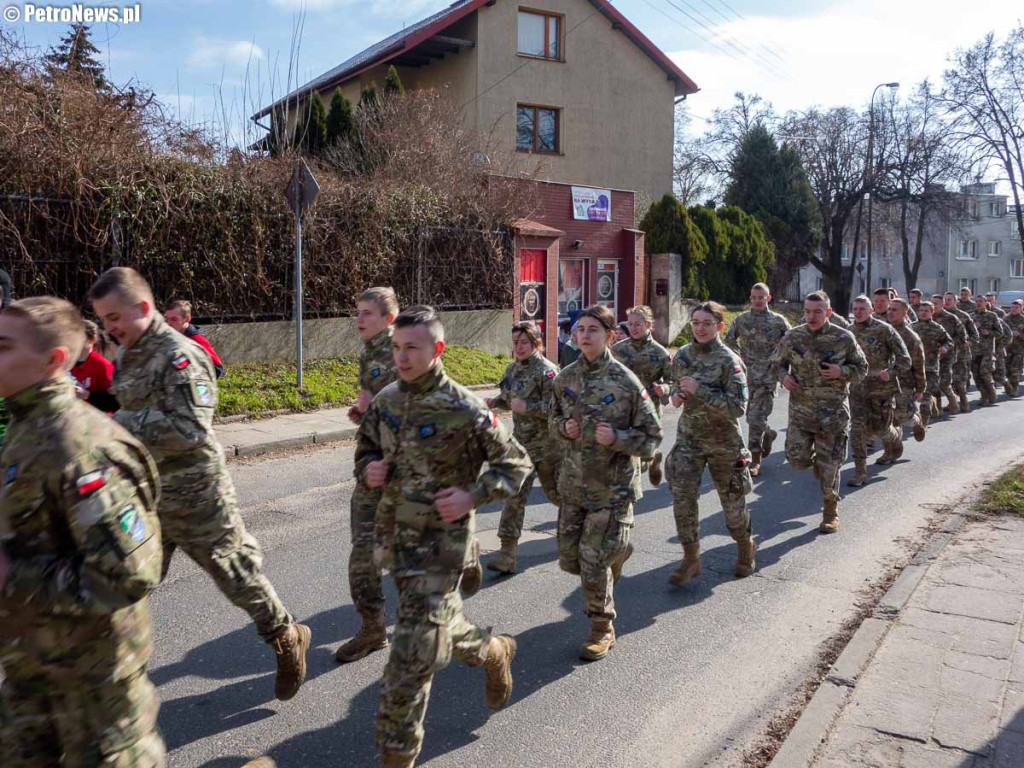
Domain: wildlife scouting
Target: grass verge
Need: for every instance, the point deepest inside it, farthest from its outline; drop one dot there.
(254, 389)
(1005, 496)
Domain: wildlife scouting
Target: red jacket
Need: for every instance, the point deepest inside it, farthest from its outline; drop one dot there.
(195, 335)
(95, 374)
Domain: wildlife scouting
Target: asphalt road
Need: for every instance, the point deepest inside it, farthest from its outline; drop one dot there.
(695, 676)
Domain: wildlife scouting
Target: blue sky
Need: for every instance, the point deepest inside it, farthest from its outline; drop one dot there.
(794, 53)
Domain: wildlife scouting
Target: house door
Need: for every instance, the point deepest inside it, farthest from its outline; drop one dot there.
(608, 285)
(533, 270)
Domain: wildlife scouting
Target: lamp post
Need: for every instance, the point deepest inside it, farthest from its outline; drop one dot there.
(869, 168)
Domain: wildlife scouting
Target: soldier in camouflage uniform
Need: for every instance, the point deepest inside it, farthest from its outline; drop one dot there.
(375, 312)
(880, 301)
(983, 362)
(755, 334)
(606, 422)
(1015, 347)
(962, 368)
(959, 348)
(168, 393)
(526, 391)
(79, 553)
(913, 383)
(872, 401)
(1000, 372)
(652, 364)
(426, 439)
(710, 383)
(816, 362)
(937, 344)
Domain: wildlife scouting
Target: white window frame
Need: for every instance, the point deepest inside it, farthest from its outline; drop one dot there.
(995, 209)
(885, 282)
(967, 251)
(844, 253)
(970, 283)
(995, 248)
(993, 285)
(1017, 268)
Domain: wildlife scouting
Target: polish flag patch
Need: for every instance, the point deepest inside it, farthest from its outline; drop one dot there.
(737, 369)
(181, 363)
(494, 419)
(89, 483)
(644, 394)
(550, 375)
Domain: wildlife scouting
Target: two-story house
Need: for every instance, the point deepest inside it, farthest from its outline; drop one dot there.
(586, 98)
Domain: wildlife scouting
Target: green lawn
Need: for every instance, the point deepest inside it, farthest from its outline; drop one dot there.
(256, 388)
(1006, 495)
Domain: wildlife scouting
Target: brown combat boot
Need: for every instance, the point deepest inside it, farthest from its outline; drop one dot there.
(1010, 388)
(860, 474)
(990, 394)
(745, 563)
(654, 471)
(291, 647)
(260, 762)
(372, 636)
(920, 425)
(954, 403)
(396, 760)
(505, 559)
(690, 567)
(829, 518)
(755, 463)
(965, 404)
(498, 672)
(767, 440)
(473, 573)
(620, 561)
(600, 640)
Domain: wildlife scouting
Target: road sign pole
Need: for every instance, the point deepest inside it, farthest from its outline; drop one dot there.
(298, 297)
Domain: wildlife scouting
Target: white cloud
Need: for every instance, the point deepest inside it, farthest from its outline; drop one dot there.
(210, 53)
(838, 55)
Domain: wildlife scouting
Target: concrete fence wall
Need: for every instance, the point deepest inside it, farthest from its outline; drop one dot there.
(487, 330)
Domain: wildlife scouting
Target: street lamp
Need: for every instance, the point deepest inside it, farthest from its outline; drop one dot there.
(869, 168)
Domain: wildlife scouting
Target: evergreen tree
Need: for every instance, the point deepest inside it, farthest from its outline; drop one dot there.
(392, 83)
(368, 96)
(76, 53)
(311, 128)
(669, 229)
(339, 119)
(714, 273)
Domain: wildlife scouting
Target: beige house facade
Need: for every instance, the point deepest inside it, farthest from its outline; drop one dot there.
(572, 85)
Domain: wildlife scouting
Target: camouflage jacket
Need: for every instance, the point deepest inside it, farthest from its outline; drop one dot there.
(933, 338)
(604, 391)
(967, 307)
(884, 317)
(436, 434)
(801, 353)
(1007, 336)
(1016, 323)
(755, 335)
(967, 318)
(377, 363)
(529, 381)
(915, 379)
(712, 413)
(168, 393)
(650, 361)
(78, 523)
(839, 321)
(989, 330)
(885, 351)
(954, 326)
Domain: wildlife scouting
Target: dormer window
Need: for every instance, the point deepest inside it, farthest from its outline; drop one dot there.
(540, 35)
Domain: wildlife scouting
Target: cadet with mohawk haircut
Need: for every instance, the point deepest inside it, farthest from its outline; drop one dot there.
(80, 550)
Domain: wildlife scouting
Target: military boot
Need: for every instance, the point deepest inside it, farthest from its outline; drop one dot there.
(767, 439)
(505, 559)
(498, 672)
(755, 463)
(260, 762)
(654, 471)
(620, 561)
(600, 640)
(473, 573)
(372, 636)
(396, 760)
(745, 563)
(926, 417)
(935, 410)
(1011, 387)
(965, 404)
(689, 568)
(954, 402)
(895, 448)
(920, 425)
(291, 647)
(860, 473)
(829, 518)
(990, 394)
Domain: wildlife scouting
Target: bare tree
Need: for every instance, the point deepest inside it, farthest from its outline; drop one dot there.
(694, 170)
(984, 90)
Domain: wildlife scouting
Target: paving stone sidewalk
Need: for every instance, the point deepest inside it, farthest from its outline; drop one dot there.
(945, 689)
(249, 438)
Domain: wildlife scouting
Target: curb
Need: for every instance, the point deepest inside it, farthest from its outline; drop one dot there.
(276, 446)
(812, 729)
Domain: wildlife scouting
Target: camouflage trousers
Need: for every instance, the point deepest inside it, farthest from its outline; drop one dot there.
(214, 536)
(871, 416)
(945, 374)
(60, 721)
(983, 368)
(684, 470)
(999, 375)
(430, 630)
(933, 386)
(759, 408)
(1014, 365)
(906, 408)
(589, 541)
(818, 439)
(545, 467)
(962, 372)
(364, 577)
